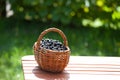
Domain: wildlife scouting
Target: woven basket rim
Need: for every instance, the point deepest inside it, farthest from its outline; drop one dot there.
(54, 51)
(58, 51)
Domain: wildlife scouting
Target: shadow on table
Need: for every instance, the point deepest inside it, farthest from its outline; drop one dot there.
(47, 75)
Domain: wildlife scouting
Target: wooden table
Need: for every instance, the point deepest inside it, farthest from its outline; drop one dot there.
(79, 68)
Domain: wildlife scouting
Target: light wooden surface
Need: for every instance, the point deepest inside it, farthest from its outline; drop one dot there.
(79, 68)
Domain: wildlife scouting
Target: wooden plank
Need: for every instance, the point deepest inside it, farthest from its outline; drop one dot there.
(85, 69)
(94, 60)
(82, 68)
(90, 72)
(77, 70)
(33, 63)
(79, 67)
(28, 58)
(85, 59)
(71, 77)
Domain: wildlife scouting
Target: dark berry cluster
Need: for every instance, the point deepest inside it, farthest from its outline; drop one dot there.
(52, 45)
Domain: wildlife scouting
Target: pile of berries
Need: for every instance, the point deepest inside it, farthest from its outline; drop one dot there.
(52, 45)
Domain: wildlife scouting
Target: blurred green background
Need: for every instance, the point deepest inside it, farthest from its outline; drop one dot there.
(92, 28)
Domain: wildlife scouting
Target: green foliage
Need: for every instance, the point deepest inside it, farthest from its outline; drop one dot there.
(93, 13)
(2, 8)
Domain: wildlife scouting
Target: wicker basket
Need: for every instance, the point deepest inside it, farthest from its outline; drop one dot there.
(50, 60)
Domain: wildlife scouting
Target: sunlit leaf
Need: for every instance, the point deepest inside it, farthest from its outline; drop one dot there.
(96, 23)
(107, 9)
(116, 15)
(118, 8)
(86, 22)
(86, 9)
(100, 3)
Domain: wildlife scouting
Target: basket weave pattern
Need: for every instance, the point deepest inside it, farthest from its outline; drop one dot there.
(50, 60)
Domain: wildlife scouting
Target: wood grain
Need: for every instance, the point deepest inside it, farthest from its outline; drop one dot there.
(79, 67)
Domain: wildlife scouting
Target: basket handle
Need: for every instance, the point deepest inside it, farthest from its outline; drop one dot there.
(53, 30)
